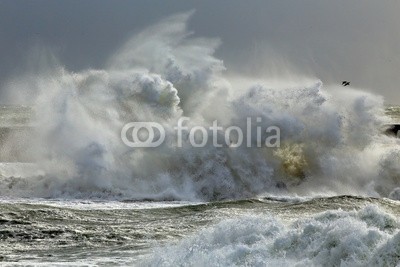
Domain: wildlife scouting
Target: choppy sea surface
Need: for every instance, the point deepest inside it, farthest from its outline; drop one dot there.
(334, 231)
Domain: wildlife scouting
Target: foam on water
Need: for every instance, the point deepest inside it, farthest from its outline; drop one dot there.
(97, 205)
(330, 138)
(368, 237)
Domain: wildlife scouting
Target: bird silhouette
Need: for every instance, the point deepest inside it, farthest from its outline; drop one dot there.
(345, 83)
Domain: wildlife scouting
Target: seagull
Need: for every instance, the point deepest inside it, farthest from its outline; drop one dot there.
(345, 83)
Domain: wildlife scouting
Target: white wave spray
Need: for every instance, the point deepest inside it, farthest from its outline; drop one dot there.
(330, 137)
(368, 237)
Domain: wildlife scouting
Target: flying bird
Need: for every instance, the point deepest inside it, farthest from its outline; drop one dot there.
(345, 83)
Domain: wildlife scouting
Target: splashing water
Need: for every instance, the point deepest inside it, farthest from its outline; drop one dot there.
(330, 137)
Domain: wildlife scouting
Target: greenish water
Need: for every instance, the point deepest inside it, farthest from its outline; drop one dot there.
(393, 112)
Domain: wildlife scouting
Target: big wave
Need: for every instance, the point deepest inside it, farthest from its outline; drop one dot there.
(330, 137)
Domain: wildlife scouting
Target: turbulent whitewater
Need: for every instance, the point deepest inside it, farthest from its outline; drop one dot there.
(338, 231)
(331, 141)
(69, 183)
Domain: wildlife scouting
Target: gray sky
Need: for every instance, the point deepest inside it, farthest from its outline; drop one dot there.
(333, 40)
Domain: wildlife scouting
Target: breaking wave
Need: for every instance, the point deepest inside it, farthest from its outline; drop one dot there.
(331, 141)
(368, 237)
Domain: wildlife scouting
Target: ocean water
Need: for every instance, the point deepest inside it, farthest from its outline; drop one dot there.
(336, 231)
(73, 194)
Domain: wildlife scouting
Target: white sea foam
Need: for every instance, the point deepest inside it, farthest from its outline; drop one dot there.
(84, 204)
(330, 138)
(369, 237)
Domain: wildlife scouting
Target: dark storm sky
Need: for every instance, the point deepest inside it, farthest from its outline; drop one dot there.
(330, 40)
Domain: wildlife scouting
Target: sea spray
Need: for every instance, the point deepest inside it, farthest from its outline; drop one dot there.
(368, 237)
(330, 140)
